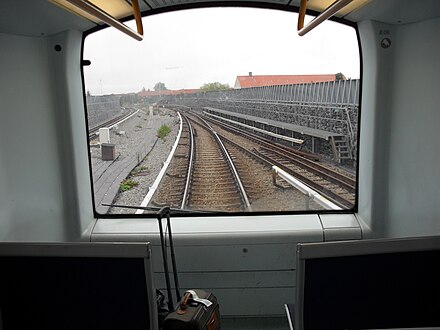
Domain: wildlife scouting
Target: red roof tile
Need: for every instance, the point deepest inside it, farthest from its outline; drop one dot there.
(257, 81)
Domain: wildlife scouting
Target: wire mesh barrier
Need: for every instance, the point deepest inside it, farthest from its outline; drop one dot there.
(331, 106)
(331, 92)
(102, 108)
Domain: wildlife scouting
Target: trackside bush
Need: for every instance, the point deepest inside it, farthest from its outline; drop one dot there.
(163, 131)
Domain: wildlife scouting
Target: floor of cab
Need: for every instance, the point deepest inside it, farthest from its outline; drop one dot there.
(255, 323)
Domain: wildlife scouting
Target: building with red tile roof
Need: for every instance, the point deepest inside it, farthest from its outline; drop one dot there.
(271, 80)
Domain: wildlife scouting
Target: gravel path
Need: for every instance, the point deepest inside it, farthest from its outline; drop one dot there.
(137, 144)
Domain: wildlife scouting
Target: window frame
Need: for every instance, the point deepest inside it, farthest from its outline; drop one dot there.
(220, 4)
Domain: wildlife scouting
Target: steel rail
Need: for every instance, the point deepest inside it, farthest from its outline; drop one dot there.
(258, 139)
(306, 190)
(325, 173)
(110, 123)
(281, 168)
(247, 151)
(190, 168)
(337, 199)
(231, 165)
(256, 129)
(300, 159)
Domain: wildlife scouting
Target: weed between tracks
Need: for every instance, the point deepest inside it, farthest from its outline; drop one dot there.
(163, 131)
(127, 184)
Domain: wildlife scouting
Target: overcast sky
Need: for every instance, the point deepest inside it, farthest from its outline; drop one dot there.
(188, 48)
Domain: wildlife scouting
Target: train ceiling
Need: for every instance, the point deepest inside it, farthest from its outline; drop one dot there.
(42, 17)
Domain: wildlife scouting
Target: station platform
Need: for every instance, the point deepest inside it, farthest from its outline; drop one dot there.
(267, 123)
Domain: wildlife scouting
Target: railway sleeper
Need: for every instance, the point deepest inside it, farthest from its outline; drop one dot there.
(219, 207)
(210, 186)
(178, 175)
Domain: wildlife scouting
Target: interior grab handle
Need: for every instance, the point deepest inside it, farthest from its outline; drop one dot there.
(137, 17)
(326, 14)
(302, 14)
(100, 14)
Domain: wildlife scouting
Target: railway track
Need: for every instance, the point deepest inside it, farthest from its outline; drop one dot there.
(331, 183)
(260, 140)
(214, 183)
(93, 132)
(173, 190)
(201, 176)
(322, 184)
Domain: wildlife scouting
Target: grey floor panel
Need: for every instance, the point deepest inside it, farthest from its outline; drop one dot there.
(255, 323)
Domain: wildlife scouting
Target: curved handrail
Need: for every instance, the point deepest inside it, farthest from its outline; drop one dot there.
(302, 14)
(326, 14)
(100, 14)
(137, 17)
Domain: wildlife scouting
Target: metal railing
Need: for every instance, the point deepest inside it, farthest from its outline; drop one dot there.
(342, 92)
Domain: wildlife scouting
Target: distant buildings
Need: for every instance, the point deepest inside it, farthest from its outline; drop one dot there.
(250, 81)
(146, 93)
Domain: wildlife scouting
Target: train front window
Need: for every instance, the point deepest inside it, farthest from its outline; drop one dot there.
(223, 110)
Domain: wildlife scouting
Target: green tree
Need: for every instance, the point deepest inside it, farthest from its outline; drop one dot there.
(340, 76)
(215, 86)
(160, 86)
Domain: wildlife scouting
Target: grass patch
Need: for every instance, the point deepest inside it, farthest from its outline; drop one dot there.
(138, 170)
(127, 184)
(163, 131)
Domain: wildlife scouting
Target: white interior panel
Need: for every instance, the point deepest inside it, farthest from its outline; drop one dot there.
(248, 262)
(374, 127)
(29, 142)
(414, 179)
(72, 134)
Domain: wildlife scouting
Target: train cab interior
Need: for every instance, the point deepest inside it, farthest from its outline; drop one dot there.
(251, 261)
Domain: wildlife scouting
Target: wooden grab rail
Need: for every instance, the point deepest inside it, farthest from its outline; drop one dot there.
(100, 14)
(326, 14)
(302, 14)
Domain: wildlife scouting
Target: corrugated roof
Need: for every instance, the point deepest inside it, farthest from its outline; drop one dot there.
(270, 80)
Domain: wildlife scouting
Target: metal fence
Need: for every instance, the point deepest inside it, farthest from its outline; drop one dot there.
(102, 108)
(342, 92)
(329, 106)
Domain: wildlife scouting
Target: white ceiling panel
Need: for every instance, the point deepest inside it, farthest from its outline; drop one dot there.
(41, 17)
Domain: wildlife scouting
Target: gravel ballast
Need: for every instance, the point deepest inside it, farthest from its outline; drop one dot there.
(137, 144)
